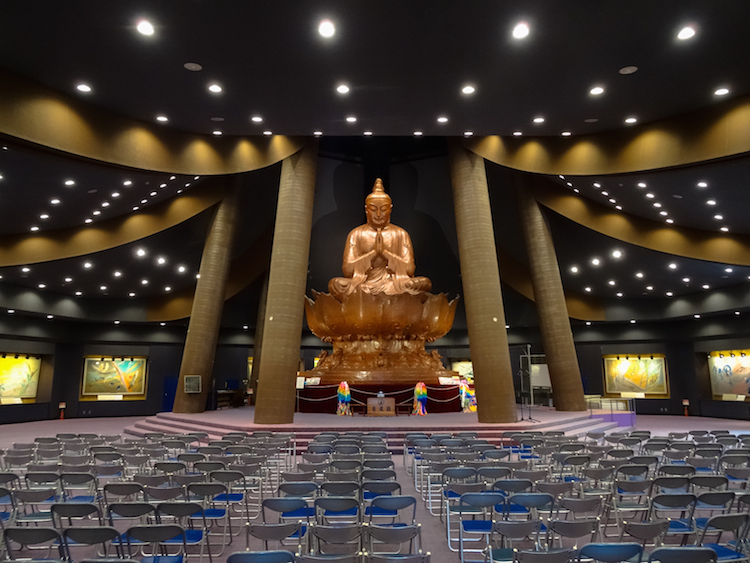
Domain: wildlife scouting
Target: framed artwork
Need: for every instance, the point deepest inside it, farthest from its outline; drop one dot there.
(636, 374)
(19, 377)
(464, 368)
(729, 372)
(193, 384)
(111, 376)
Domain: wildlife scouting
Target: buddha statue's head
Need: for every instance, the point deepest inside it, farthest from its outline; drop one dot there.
(378, 206)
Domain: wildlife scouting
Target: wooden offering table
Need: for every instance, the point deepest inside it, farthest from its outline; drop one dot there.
(381, 406)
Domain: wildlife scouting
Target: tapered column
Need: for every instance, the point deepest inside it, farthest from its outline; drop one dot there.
(485, 315)
(208, 304)
(554, 322)
(287, 279)
(258, 342)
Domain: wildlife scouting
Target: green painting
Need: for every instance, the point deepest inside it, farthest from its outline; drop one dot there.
(111, 376)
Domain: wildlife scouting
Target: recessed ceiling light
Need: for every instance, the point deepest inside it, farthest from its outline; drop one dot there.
(68, 280)
(326, 28)
(649, 288)
(117, 322)
(217, 132)
(566, 133)
(696, 316)
(521, 30)
(669, 294)
(144, 27)
(442, 119)
(468, 133)
(619, 294)
(127, 183)
(686, 280)
(140, 252)
(351, 119)
(639, 274)
(686, 33)
(162, 324)
(88, 265)
(612, 282)
(597, 185)
(719, 217)
(50, 316)
(628, 69)
(724, 229)
(79, 293)
(181, 269)
(268, 133)
(706, 286)
(215, 88)
(54, 201)
(417, 133)
(25, 269)
(711, 202)
(721, 91)
(44, 216)
(34, 228)
(89, 220)
(105, 204)
(367, 133)
(103, 287)
(317, 133)
(161, 260)
(657, 204)
(342, 89)
(194, 67)
(539, 119)
(631, 120)
(702, 184)
(650, 195)
(70, 182)
(517, 133)
(167, 289)
(162, 118)
(468, 89)
(588, 323)
(596, 90)
(670, 221)
(617, 254)
(96, 212)
(672, 266)
(587, 289)
(256, 119)
(612, 200)
(42, 285)
(595, 261)
(85, 88)
(663, 213)
(728, 270)
(136, 208)
(153, 194)
(632, 321)
(144, 282)
(11, 311)
(144, 201)
(641, 184)
(131, 294)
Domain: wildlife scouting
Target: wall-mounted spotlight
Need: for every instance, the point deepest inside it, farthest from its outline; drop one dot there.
(721, 355)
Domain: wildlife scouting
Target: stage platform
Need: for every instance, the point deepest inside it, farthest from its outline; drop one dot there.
(307, 425)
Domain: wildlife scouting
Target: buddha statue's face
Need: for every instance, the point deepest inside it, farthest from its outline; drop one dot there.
(378, 210)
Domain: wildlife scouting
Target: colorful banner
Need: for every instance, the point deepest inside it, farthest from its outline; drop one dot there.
(111, 376)
(730, 372)
(19, 377)
(635, 374)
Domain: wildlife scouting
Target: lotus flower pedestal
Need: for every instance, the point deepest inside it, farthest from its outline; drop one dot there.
(380, 339)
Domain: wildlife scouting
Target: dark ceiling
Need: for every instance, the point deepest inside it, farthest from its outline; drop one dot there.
(405, 64)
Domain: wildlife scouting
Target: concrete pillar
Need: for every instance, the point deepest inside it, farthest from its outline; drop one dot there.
(258, 341)
(282, 328)
(554, 322)
(208, 305)
(485, 315)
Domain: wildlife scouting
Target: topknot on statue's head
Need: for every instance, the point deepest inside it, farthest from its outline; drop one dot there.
(378, 192)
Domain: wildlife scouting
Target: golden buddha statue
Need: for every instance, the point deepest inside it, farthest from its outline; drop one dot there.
(379, 316)
(378, 257)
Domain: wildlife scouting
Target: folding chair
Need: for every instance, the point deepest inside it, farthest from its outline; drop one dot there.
(475, 516)
(339, 510)
(653, 532)
(285, 509)
(261, 557)
(322, 537)
(505, 532)
(159, 537)
(34, 537)
(685, 554)
(394, 536)
(681, 507)
(276, 532)
(734, 524)
(571, 529)
(85, 536)
(610, 552)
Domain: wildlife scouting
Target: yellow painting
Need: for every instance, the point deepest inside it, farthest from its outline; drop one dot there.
(635, 374)
(730, 372)
(19, 377)
(110, 376)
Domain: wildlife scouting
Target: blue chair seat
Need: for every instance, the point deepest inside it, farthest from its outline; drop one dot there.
(680, 526)
(477, 526)
(231, 497)
(724, 553)
(304, 512)
(370, 495)
(162, 559)
(191, 537)
(377, 511)
(348, 512)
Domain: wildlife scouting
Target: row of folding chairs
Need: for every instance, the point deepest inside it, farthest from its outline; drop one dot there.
(283, 556)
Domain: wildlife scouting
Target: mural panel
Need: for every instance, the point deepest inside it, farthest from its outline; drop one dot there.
(19, 377)
(634, 374)
(110, 376)
(730, 372)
